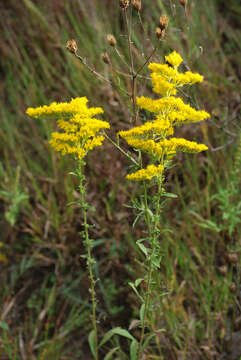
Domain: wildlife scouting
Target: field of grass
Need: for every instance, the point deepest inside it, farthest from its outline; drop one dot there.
(44, 300)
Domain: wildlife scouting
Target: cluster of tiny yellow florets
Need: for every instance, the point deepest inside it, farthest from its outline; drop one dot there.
(80, 132)
(170, 111)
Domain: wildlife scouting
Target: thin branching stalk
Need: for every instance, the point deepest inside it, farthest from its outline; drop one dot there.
(147, 60)
(90, 260)
(121, 150)
(133, 83)
(122, 58)
(97, 74)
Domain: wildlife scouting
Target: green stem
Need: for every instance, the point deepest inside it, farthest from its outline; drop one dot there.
(152, 234)
(90, 260)
(133, 83)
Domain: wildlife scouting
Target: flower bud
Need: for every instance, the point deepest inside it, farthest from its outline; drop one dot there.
(183, 2)
(163, 22)
(232, 287)
(160, 33)
(71, 46)
(105, 57)
(136, 4)
(111, 40)
(233, 258)
(124, 4)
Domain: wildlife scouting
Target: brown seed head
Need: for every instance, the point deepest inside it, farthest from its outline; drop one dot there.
(223, 269)
(124, 4)
(111, 40)
(160, 33)
(136, 4)
(183, 2)
(105, 57)
(232, 287)
(233, 258)
(72, 46)
(163, 22)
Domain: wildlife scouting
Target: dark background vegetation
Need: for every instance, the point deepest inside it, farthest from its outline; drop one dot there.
(45, 306)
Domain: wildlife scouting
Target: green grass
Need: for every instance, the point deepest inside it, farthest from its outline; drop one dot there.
(44, 281)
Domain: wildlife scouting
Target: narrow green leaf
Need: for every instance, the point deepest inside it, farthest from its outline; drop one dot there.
(143, 248)
(169, 195)
(132, 285)
(106, 337)
(133, 350)
(123, 332)
(108, 356)
(155, 262)
(142, 309)
(209, 224)
(147, 340)
(4, 325)
(116, 331)
(138, 281)
(92, 344)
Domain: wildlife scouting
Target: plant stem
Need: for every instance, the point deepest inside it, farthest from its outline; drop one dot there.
(152, 234)
(90, 260)
(133, 75)
(121, 150)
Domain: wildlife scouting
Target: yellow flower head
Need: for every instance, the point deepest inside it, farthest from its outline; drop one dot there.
(146, 174)
(80, 132)
(174, 59)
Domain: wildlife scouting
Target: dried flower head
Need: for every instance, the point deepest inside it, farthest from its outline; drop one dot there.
(111, 40)
(136, 4)
(183, 2)
(124, 4)
(163, 22)
(105, 57)
(71, 46)
(160, 33)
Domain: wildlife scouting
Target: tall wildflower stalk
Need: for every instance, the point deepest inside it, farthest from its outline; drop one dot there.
(79, 133)
(155, 138)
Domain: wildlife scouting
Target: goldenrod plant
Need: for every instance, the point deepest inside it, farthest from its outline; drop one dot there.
(155, 138)
(79, 133)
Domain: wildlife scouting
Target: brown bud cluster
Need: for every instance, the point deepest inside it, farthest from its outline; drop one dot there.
(233, 258)
(71, 46)
(136, 4)
(105, 57)
(183, 2)
(163, 22)
(162, 27)
(124, 4)
(111, 40)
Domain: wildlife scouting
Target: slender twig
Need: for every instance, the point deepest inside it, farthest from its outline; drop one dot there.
(122, 58)
(139, 16)
(149, 57)
(91, 69)
(98, 75)
(133, 83)
(121, 150)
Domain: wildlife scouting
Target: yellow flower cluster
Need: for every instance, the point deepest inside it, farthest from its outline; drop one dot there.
(146, 174)
(170, 111)
(166, 78)
(80, 132)
(65, 109)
